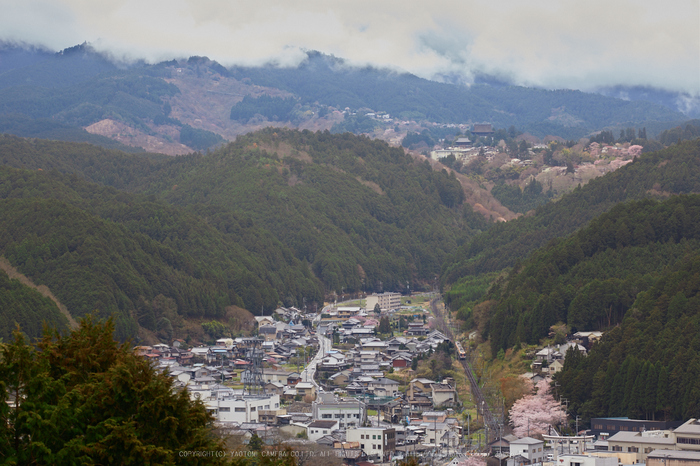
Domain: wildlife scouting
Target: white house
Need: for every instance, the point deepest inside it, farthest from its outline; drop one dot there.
(318, 429)
(529, 448)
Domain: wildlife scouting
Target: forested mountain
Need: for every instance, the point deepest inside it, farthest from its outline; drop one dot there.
(648, 367)
(672, 170)
(277, 217)
(194, 103)
(590, 279)
(600, 260)
(570, 114)
(26, 307)
(363, 215)
(107, 251)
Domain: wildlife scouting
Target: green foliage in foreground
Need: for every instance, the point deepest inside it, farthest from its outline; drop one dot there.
(26, 307)
(83, 399)
(649, 366)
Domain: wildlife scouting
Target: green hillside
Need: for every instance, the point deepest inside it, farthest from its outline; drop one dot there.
(26, 307)
(107, 251)
(673, 170)
(363, 215)
(633, 272)
(592, 278)
(648, 367)
(277, 217)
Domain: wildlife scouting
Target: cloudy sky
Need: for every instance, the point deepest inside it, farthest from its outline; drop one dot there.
(552, 43)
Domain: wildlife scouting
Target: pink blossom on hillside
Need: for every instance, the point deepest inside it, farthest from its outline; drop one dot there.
(635, 150)
(536, 412)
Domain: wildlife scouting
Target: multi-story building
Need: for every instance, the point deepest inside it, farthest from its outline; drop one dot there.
(529, 448)
(349, 414)
(604, 427)
(386, 301)
(318, 429)
(227, 407)
(641, 443)
(688, 436)
(376, 442)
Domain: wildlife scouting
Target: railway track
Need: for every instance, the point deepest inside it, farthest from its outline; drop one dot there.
(481, 403)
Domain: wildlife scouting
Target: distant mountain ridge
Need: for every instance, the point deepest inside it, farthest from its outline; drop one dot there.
(79, 87)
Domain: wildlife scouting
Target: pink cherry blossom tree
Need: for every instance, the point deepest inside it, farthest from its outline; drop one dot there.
(635, 150)
(535, 413)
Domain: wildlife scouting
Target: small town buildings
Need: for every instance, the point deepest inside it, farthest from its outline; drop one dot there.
(377, 442)
(673, 458)
(583, 460)
(306, 389)
(349, 413)
(443, 395)
(386, 301)
(641, 443)
(228, 407)
(688, 435)
(318, 429)
(605, 427)
(529, 448)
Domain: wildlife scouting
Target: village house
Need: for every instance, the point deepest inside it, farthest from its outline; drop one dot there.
(378, 443)
(318, 429)
(529, 449)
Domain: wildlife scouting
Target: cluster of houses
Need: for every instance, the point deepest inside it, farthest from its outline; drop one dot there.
(355, 405)
(610, 442)
(550, 359)
(352, 404)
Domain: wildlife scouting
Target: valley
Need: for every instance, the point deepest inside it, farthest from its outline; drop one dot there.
(275, 241)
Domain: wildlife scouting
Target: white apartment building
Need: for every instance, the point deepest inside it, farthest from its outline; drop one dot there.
(376, 442)
(349, 414)
(228, 406)
(386, 301)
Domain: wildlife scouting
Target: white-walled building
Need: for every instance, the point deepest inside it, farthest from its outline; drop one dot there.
(376, 442)
(227, 405)
(386, 301)
(349, 414)
(529, 448)
(585, 460)
(318, 429)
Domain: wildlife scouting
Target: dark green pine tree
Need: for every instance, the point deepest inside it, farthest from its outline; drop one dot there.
(663, 404)
(635, 402)
(630, 379)
(650, 391)
(84, 399)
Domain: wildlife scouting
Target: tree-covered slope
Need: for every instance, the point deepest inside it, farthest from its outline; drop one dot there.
(107, 251)
(648, 367)
(26, 307)
(673, 170)
(363, 215)
(590, 279)
(278, 216)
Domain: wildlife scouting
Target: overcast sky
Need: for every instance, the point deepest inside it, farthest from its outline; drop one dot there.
(578, 44)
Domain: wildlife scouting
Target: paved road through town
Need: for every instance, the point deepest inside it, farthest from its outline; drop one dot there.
(324, 346)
